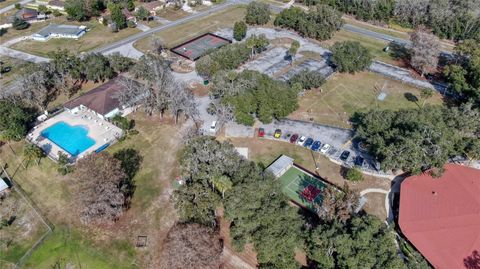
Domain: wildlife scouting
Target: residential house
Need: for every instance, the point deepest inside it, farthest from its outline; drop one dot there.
(60, 31)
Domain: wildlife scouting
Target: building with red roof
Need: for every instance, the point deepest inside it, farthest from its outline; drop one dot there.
(441, 216)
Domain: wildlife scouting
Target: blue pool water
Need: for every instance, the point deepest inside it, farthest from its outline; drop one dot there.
(72, 139)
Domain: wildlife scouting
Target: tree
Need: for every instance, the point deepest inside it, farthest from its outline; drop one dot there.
(226, 58)
(362, 241)
(293, 50)
(319, 23)
(418, 139)
(257, 13)
(99, 196)
(3, 31)
(19, 24)
(158, 45)
(15, 120)
(239, 30)
(425, 50)
(63, 164)
(81, 10)
(338, 205)
(42, 9)
(411, 12)
(350, 56)
(96, 67)
(191, 246)
(308, 79)
(130, 161)
(31, 151)
(117, 16)
(119, 63)
(18, 6)
(425, 94)
(142, 13)
(353, 174)
(130, 5)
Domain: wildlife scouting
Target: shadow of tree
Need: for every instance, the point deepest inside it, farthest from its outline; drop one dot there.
(399, 51)
(411, 97)
(472, 261)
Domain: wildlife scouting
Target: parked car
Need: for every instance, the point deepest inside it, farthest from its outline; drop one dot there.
(293, 138)
(359, 161)
(308, 142)
(325, 148)
(344, 156)
(261, 132)
(301, 140)
(277, 133)
(316, 145)
(213, 127)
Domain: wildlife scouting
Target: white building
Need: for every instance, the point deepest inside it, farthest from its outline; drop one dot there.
(60, 31)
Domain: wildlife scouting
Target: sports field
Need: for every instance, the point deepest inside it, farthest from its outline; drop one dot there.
(302, 188)
(198, 46)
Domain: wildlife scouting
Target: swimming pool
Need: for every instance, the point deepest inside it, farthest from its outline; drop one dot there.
(72, 139)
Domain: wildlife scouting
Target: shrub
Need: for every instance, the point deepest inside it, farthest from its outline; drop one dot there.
(18, 6)
(19, 24)
(226, 58)
(308, 79)
(239, 30)
(350, 56)
(57, 13)
(354, 174)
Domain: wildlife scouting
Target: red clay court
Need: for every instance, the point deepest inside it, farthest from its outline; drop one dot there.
(310, 193)
(197, 47)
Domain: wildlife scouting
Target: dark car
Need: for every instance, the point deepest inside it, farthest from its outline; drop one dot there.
(344, 156)
(293, 138)
(308, 142)
(316, 145)
(261, 132)
(359, 161)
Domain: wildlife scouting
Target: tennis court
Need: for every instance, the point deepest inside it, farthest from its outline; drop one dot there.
(301, 187)
(197, 47)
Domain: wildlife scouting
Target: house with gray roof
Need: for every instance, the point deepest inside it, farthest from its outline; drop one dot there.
(60, 31)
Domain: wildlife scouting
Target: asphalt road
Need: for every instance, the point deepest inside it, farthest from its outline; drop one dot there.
(141, 35)
(10, 7)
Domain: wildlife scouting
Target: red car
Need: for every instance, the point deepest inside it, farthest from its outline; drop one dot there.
(293, 138)
(261, 132)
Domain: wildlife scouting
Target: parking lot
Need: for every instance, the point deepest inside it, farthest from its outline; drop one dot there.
(339, 140)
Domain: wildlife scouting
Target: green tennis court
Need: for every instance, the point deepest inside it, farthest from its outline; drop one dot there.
(302, 187)
(197, 47)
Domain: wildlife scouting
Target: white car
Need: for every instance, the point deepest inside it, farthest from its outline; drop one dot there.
(325, 148)
(301, 140)
(213, 127)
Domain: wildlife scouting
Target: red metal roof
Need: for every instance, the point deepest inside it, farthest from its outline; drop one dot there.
(441, 216)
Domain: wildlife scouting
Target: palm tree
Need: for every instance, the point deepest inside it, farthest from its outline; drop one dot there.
(425, 94)
(222, 184)
(31, 151)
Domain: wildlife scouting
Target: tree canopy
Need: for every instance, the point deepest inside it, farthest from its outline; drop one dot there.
(15, 120)
(257, 13)
(321, 22)
(350, 56)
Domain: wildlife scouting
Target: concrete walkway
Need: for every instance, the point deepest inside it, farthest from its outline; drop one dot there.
(126, 50)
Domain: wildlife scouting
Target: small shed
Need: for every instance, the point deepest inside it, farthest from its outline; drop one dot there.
(280, 165)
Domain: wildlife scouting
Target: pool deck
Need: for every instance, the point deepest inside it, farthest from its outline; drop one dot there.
(101, 131)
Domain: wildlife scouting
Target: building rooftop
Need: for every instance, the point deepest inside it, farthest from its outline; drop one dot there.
(61, 29)
(441, 216)
(102, 99)
(280, 165)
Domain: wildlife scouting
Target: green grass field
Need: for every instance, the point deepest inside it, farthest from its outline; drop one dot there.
(294, 181)
(344, 94)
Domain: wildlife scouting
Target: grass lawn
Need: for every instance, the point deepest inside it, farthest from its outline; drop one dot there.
(27, 228)
(344, 94)
(65, 246)
(17, 66)
(8, 2)
(178, 34)
(150, 214)
(172, 14)
(374, 45)
(98, 35)
(266, 151)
